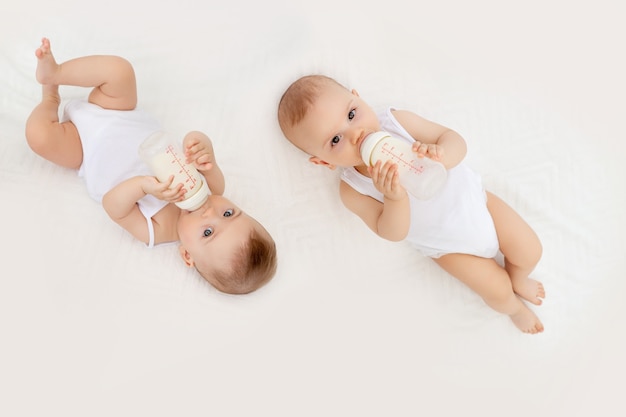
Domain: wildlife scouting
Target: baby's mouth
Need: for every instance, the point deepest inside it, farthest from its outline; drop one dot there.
(360, 142)
(362, 139)
(200, 209)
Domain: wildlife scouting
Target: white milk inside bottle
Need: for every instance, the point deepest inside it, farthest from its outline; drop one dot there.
(422, 177)
(164, 156)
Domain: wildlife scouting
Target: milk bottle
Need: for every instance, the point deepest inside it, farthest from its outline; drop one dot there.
(164, 156)
(422, 177)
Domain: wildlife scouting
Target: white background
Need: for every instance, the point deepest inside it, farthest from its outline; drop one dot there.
(94, 324)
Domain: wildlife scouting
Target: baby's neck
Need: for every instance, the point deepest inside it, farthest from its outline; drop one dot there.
(362, 169)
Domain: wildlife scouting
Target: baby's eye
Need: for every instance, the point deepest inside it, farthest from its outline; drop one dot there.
(229, 212)
(351, 114)
(208, 232)
(335, 140)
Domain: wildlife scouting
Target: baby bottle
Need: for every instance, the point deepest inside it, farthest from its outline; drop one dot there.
(164, 156)
(422, 177)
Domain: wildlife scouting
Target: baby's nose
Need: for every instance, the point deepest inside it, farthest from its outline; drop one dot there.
(355, 136)
(208, 211)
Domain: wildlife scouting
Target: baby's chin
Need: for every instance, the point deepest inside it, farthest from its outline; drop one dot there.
(184, 212)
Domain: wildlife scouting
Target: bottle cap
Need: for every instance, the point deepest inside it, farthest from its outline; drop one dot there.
(195, 201)
(368, 144)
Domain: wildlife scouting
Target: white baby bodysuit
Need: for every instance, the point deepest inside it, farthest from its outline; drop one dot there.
(455, 220)
(110, 140)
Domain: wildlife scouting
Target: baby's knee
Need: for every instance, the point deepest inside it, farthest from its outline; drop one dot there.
(538, 251)
(534, 253)
(499, 293)
(528, 254)
(123, 68)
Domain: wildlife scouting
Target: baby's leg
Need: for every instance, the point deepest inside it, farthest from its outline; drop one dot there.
(521, 249)
(490, 281)
(54, 141)
(112, 77)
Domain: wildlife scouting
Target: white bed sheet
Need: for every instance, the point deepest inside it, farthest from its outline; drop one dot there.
(95, 324)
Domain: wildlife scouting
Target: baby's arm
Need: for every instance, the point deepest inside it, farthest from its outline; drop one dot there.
(433, 140)
(390, 219)
(198, 150)
(120, 202)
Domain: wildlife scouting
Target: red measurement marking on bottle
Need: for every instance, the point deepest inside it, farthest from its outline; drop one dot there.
(412, 164)
(183, 167)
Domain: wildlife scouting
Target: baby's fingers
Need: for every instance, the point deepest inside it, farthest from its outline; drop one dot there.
(156, 186)
(383, 175)
(430, 150)
(176, 193)
(435, 152)
(190, 142)
(388, 173)
(374, 171)
(204, 162)
(168, 183)
(191, 155)
(421, 149)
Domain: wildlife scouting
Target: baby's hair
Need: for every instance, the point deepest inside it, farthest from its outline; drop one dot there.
(298, 99)
(252, 267)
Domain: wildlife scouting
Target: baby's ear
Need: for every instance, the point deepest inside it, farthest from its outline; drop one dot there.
(317, 161)
(186, 256)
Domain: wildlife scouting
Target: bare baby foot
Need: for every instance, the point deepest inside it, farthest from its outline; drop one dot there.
(529, 289)
(47, 66)
(527, 321)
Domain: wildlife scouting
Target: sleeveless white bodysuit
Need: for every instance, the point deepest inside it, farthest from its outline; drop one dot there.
(455, 220)
(110, 141)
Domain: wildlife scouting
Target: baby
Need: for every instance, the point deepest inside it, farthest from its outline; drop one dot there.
(461, 228)
(100, 137)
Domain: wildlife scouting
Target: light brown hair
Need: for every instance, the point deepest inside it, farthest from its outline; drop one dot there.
(298, 99)
(252, 267)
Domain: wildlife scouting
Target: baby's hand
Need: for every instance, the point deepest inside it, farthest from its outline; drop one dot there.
(198, 150)
(387, 180)
(430, 150)
(162, 190)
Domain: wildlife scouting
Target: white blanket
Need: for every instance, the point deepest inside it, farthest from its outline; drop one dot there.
(95, 324)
